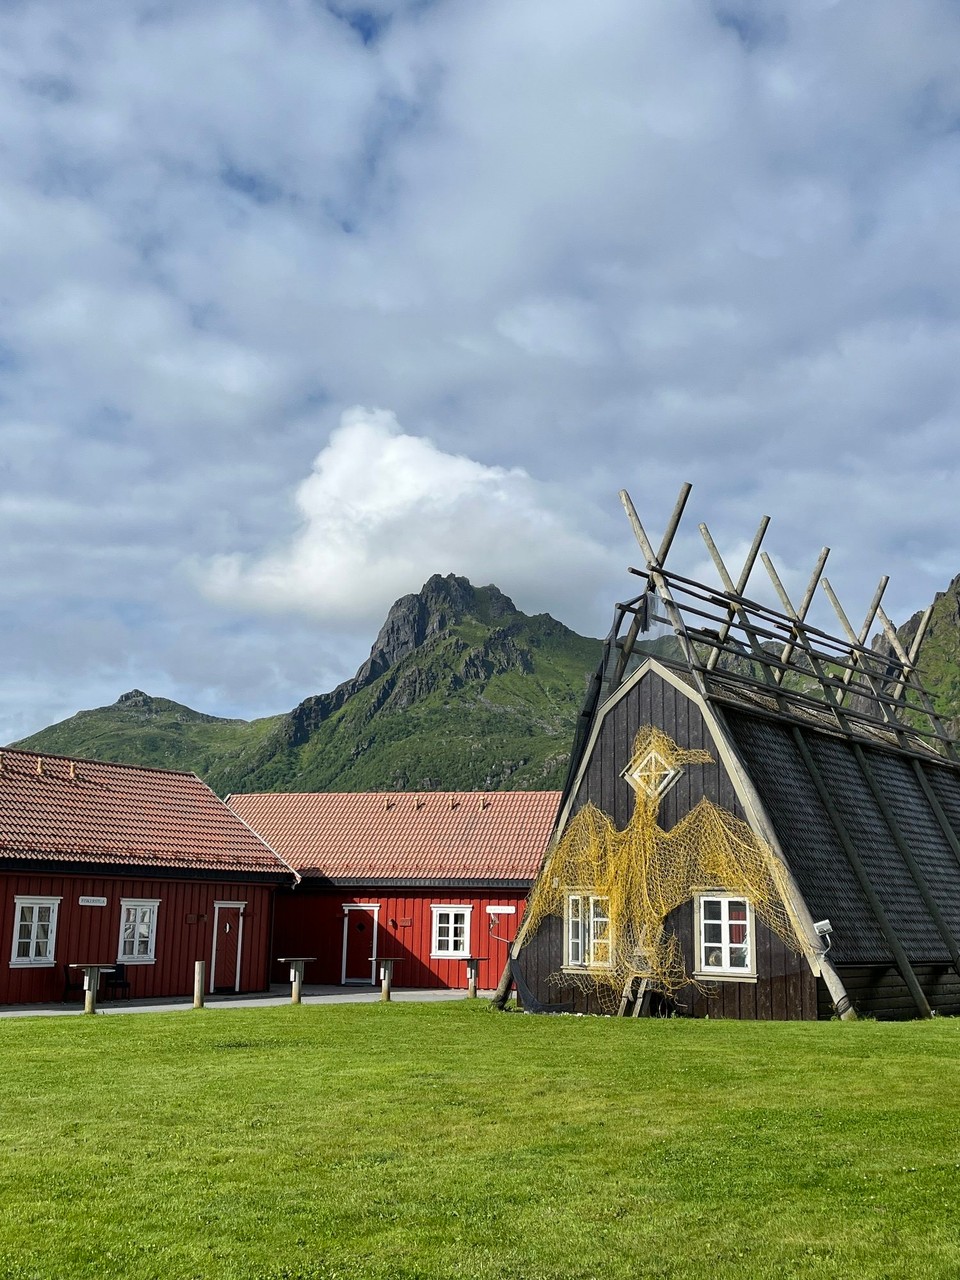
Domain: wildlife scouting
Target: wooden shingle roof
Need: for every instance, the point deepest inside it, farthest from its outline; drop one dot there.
(434, 838)
(54, 809)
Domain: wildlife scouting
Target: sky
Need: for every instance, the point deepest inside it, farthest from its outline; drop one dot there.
(303, 302)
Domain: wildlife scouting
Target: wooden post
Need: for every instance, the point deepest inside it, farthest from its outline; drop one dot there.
(91, 980)
(473, 965)
(386, 977)
(199, 982)
(296, 981)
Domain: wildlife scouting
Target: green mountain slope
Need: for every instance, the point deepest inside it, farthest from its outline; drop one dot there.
(939, 658)
(461, 691)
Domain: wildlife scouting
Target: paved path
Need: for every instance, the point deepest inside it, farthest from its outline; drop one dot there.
(278, 994)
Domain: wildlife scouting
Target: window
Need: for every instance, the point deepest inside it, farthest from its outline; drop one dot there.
(34, 930)
(451, 931)
(725, 926)
(138, 930)
(588, 931)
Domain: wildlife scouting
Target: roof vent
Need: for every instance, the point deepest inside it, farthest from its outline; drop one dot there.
(73, 770)
(419, 802)
(39, 766)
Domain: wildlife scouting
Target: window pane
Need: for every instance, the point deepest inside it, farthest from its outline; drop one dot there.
(737, 909)
(574, 931)
(713, 933)
(738, 957)
(738, 933)
(712, 909)
(713, 958)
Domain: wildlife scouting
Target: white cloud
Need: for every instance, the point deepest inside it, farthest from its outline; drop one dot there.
(383, 510)
(573, 247)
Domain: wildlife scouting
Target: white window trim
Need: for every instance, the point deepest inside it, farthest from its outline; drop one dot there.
(154, 905)
(467, 910)
(586, 897)
(712, 972)
(34, 900)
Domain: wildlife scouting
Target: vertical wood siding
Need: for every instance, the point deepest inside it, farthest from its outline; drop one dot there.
(309, 922)
(785, 987)
(87, 934)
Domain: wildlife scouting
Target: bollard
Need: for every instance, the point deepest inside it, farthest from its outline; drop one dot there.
(199, 976)
(90, 993)
(296, 978)
(386, 976)
(472, 969)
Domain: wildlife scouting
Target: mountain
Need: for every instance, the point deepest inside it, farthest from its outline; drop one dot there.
(939, 660)
(461, 691)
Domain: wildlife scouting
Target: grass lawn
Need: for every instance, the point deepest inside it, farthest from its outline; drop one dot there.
(446, 1140)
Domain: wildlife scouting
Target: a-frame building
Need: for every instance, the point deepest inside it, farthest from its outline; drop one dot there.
(761, 819)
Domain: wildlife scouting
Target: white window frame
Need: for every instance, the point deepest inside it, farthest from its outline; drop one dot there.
(20, 901)
(451, 952)
(150, 957)
(725, 971)
(587, 945)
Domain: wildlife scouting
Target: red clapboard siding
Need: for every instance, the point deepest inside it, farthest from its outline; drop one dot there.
(311, 922)
(184, 932)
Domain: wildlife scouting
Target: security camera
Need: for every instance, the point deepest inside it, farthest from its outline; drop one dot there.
(823, 927)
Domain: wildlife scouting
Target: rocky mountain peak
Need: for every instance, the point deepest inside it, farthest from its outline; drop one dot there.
(413, 620)
(135, 698)
(441, 603)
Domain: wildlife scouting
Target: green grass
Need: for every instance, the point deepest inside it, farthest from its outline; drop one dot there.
(405, 1141)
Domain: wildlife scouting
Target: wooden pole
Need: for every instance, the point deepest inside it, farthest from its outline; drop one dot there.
(472, 967)
(386, 976)
(199, 980)
(92, 981)
(296, 978)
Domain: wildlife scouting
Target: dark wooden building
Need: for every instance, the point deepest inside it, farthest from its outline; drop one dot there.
(783, 803)
(143, 870)
(425, 879)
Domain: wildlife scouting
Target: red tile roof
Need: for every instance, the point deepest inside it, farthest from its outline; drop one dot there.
(426, 836)
(82, 811)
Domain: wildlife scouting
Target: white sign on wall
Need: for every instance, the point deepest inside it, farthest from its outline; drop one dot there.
(93, 902)
(501, 911)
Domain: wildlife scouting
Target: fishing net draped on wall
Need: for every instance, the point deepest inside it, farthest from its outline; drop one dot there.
(645, 873)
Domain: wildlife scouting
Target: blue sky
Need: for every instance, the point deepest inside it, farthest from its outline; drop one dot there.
(303, 302)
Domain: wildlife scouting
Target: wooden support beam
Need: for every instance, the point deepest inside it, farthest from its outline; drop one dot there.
(741, 586)
(916, 874)
(658, 578)
(853, 857)
(908, 678)
(946, 826)
(790, 646)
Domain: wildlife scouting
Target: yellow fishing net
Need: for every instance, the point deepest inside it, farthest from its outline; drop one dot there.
(643, 873)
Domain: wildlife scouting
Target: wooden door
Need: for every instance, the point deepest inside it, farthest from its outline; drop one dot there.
(227, 946)
(359, 943)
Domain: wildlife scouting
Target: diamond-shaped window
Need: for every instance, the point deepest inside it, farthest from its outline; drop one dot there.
(652, 775)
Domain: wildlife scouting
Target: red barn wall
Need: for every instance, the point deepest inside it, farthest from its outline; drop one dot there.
(310, 922)
(185, 921)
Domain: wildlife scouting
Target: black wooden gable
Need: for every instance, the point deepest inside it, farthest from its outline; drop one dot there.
(829, 746)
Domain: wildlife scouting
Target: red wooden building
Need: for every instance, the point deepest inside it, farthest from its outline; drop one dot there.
(426, 879)
(144, 869)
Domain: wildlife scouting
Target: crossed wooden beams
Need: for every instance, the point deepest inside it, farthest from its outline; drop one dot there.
(778, 652)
